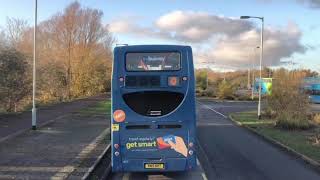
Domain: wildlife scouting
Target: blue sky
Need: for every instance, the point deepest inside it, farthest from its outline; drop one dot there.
(145, 13)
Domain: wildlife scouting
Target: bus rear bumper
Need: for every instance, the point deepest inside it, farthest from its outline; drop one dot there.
(169, 165)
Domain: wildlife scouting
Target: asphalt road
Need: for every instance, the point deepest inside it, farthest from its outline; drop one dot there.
(315, 108)
(231, 152)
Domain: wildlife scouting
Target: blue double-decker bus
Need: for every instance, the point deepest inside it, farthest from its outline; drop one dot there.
(153, 108)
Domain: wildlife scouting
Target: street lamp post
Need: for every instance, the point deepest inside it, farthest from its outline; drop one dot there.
(34, 109)
(261, 58)
(208, 68)
(207, 79)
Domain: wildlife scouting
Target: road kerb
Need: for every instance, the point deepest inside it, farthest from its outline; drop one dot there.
(308, 160)
(66, 171)
(90, 170)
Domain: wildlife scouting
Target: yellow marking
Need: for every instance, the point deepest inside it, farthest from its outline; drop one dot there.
(115, 127)
(154, 166)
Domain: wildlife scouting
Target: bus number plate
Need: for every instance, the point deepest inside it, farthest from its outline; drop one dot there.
(154, 166)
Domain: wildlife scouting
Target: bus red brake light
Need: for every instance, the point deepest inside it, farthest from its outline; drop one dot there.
(173, 81)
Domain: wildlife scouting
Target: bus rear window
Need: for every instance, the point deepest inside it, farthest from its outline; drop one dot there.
(164, 61)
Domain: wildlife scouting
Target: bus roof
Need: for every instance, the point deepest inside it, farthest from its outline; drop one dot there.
(151, 47)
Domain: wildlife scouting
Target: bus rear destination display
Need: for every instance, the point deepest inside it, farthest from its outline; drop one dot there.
(163, 61)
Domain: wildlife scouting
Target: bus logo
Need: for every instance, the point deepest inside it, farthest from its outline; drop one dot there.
(119, 116)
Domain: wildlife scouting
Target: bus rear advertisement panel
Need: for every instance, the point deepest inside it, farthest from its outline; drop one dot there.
(153, 108)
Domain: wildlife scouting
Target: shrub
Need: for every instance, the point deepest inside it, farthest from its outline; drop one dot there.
(269, 113)
(225, 90)
(288, 103)
(209, 92)
(15, 84)
(292, 122)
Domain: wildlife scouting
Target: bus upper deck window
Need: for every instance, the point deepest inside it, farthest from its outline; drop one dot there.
(158, 61)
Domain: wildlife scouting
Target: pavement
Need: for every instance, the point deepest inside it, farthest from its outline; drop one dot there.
(62, 149)
(12, 124)
(231, 152)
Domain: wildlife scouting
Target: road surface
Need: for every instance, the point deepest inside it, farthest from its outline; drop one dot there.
(231, 152)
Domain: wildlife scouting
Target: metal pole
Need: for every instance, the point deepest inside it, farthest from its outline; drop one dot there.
(207, 78)
(252, 83)
(261, 59)
(34, 110)
(249, 82)
(252, 87)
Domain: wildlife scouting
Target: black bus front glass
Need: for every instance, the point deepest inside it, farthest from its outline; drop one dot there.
(160, 61)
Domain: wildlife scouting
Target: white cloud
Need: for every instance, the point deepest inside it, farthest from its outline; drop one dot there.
(193, 26)
(311, 3)
(227, 41)
(186, 26)
(238, 51)
(130, 27)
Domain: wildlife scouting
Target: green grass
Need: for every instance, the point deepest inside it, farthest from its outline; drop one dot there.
(101, 108)
(299, 140)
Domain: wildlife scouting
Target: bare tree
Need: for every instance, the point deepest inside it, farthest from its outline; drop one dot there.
(15, 30)
(78, 41)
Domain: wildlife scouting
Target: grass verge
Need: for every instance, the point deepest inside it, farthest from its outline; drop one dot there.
(101, 108)
(302, 141)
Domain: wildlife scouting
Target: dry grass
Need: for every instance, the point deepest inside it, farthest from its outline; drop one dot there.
(316, 119)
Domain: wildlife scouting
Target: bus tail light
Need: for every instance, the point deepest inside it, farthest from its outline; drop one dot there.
(190, 152)
(121, 79)
(173, 81)
(116, 146)
(116, 153)
(191, 144)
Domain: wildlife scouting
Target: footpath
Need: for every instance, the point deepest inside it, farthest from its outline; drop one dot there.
(65, 148)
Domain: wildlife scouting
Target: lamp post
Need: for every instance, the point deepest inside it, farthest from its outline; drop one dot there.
(261, 58)
(208, 68)
(34, 109)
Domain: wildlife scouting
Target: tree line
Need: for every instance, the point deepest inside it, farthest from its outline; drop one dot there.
(73, 58)
(227, 85)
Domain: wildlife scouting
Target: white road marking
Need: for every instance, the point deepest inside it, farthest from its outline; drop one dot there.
(208, 107)
(198, 163)
(214, 124)
(204, 177)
